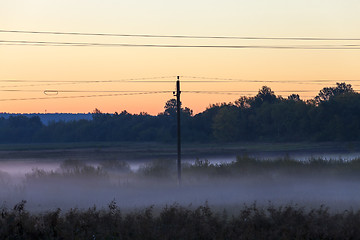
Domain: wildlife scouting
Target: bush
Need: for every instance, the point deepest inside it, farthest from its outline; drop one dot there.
(176, 222)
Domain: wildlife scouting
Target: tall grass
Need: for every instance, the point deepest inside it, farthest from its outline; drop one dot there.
(245, 166)
(70, 171)
(176, 222)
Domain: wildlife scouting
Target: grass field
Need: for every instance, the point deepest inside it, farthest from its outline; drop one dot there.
(130, 150)
(148, 204)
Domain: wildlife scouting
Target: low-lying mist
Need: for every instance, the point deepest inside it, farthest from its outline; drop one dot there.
(334, 183)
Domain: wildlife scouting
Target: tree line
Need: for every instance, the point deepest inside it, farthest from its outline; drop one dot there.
(333, 115)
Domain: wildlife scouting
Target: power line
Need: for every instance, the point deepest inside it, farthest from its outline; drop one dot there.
(72, 81)
(78, 83)
(245, 91)
(83, 96)
(253, 95)
(274, 81)
(52, 92)
(76, 91)
(169, 81)
(58, 83)
(115, 91)
(125, 93)
(198, 79)
(90, 44)
(37, 85)
(250, 92)
(181, 36)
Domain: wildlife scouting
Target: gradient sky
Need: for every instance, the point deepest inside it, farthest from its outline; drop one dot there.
(264, 18)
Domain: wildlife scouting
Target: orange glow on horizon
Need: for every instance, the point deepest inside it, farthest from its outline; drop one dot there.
(279, 18)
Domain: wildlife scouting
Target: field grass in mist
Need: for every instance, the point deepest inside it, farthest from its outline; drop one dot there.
(245, 199)
(75, 183)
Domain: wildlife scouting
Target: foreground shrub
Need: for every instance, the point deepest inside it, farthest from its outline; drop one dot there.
(177, 222)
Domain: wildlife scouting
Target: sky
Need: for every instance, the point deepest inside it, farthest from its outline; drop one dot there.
(257, 18)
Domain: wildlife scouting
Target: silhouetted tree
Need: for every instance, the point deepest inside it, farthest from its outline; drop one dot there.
(265, 94)
(294, 97)
(171, 109)
(97, 115)
(244, 102)
(226, 124)
(327, 92)
(334, 115)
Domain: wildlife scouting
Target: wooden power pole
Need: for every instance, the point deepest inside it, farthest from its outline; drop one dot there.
(178, 111)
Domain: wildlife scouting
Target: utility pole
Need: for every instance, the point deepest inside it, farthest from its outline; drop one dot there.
(178, 111)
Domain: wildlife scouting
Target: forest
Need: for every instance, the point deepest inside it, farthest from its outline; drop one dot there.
(333, 115)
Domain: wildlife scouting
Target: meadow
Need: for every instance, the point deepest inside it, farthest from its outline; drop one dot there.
(80, 183)
(247, 198)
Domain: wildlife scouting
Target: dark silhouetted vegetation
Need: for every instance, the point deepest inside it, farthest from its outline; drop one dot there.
(245, 166)
(165, 170)
(176, 222)
(333, 115)
(238, 221)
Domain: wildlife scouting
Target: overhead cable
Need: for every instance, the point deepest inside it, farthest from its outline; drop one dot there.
(115, 91)
(276, 81)
(181, 36)
(77, 91)
(91, 44)
(186, 79)
(83, 96)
